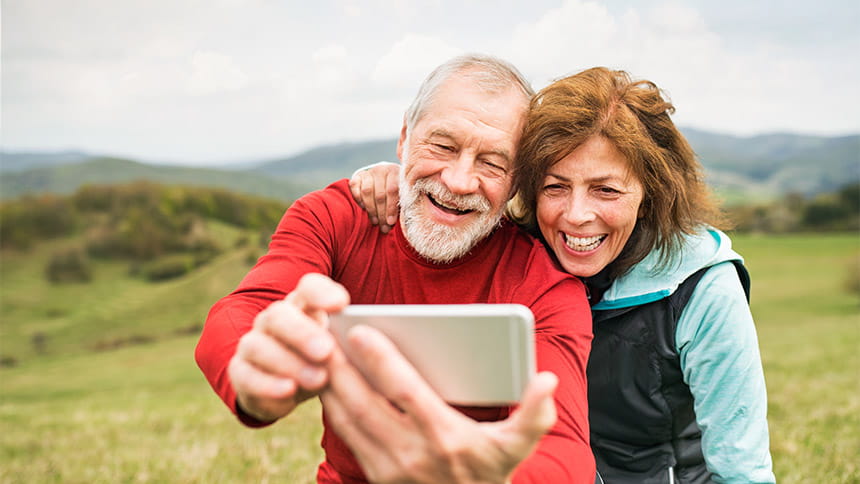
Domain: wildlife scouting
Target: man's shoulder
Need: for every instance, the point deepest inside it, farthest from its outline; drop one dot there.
(526, 254)
(528, 269)
(335, 192)
(334, 199)
(521, 243)
(328, 210)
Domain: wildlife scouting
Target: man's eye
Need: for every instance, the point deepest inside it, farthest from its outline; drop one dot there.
(494, 166)
(443, 147)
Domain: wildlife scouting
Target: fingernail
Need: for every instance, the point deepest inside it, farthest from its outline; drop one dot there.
(311, 376)
(358, 336)
(319, 347)
(285, 386)
(391, 219)
(374, 220)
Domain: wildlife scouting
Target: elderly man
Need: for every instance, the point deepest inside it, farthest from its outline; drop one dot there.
(265, 347)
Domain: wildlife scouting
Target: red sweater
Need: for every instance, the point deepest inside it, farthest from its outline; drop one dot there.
(328, 233)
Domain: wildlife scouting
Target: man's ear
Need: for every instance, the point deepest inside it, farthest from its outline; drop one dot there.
(401, 141)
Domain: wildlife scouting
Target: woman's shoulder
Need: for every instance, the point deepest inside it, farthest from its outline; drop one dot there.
(656, 277)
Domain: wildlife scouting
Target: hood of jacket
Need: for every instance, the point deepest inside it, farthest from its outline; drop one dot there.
(647, 282)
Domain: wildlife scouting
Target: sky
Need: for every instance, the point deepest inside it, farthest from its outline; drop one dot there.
(215, 81)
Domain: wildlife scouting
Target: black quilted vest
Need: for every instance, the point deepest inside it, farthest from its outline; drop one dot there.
(643, 428)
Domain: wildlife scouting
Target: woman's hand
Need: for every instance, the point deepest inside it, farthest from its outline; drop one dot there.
(376, 189)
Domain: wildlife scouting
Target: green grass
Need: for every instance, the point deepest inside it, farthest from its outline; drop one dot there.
(114, 306)
(144, 413)
(809, 334)
(141, 414)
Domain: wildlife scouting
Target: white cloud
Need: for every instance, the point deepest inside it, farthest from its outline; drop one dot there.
(332, 67)
(201, 79)
(212, 72)
(713, 87)
(410, 59)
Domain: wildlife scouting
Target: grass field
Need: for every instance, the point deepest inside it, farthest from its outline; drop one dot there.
(144, 413)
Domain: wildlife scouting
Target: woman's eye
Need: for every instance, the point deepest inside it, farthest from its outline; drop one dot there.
(608, 190)
(553, 188)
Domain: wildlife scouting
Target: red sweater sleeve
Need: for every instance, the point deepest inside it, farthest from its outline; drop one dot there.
(563, 335)
(564, 454)
(302, 243)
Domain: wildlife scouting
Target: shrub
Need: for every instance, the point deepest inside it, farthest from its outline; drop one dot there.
(40, 342)
(852, 278)
(252, 256)
(32, 218)
(121, 342)
(242, 241)
(7, 361)
(192, 329)
(69, 265)
(264, 238)
(168, 267)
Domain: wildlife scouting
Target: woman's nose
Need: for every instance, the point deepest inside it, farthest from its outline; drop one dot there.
(579, 210)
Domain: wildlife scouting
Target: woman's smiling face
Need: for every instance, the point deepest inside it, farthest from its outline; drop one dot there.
(588, 205)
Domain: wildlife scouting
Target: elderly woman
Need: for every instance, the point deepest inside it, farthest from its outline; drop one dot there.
(676, 390)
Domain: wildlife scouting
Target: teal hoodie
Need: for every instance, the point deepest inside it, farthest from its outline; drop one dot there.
(718, 348)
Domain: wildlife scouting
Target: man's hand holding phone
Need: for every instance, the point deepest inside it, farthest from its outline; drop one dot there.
(284, 359)
(400, 430)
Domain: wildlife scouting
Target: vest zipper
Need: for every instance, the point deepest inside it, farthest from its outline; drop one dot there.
(671, 475)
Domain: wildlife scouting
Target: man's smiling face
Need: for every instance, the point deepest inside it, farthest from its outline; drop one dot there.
(457, 164)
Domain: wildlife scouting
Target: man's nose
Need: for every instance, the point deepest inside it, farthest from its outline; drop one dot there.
(460, 176)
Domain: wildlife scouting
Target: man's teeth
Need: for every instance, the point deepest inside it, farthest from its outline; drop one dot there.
(452, 208)
(445, 205)
(583, 244)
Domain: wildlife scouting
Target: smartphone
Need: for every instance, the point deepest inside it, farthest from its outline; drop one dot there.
(470, 354)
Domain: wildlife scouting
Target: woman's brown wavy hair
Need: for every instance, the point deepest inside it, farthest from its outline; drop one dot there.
(634, 116)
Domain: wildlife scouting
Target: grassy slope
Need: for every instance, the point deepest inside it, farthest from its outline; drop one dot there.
(142, 413)
(75, 317)
(145, 414)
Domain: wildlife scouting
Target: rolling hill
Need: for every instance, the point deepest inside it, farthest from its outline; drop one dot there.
(778, 163)
(22, 161)
(324, 164)
(741, 168)
(65, 178)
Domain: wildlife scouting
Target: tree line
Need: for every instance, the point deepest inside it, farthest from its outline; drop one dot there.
(160, 229)
(824, 212)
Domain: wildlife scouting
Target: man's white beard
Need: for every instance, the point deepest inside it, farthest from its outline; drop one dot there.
(437, 242)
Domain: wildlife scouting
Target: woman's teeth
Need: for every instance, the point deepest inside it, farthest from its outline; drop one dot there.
(583, 244)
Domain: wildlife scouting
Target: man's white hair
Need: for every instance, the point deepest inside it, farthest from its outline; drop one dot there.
(489, 73)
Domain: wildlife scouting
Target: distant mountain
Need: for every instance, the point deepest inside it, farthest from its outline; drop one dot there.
(777, 163)
(759, 167)
(66, 178)
(325, 164)
(742, 169)
(20, 161)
